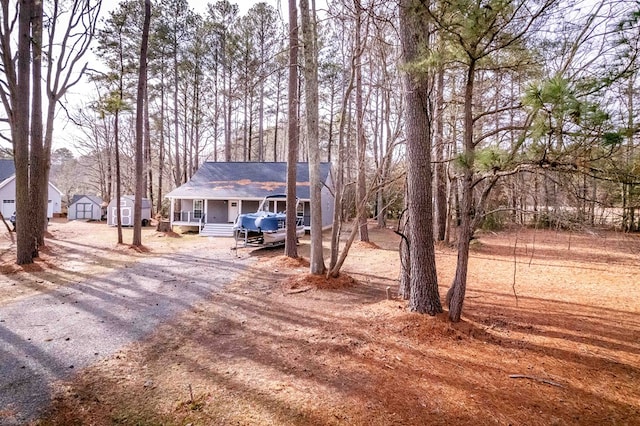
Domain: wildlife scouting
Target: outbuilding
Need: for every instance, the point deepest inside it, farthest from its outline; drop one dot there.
(126, 211)
(8, 191)
(86, 207)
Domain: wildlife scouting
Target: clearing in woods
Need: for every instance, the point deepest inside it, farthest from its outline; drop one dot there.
(550, 335)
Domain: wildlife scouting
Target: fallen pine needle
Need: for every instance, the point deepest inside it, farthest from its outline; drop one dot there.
(537, 379)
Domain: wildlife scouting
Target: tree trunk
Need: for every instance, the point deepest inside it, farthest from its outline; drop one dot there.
(441, 171)
(310, 53)
(148, 184)
(378, 154)
(277, 116)
(404, 289)
(339, 175)
(116, 129)
(361, 144)
(39, 186)
(177, 177)
(161, 148)
(227, 127)
(330, 130)
(424, 295)
(261, 105)
(20, 135)
(216, 105)
(142, 88)
(291, 244)
(456, 293)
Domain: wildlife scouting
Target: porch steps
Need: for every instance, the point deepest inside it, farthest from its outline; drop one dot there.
(217, 230)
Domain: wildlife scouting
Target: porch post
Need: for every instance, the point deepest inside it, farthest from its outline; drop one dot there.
(171, 213)
(206, 209)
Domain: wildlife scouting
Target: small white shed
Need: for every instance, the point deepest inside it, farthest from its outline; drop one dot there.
(86, 207)
(126, 211)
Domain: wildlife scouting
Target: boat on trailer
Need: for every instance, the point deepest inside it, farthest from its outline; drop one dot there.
(265, 227)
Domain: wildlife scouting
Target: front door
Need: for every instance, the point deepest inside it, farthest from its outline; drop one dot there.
(234, 209)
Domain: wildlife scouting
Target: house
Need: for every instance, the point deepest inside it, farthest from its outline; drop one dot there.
(218, 192)
(86, 207)
(8, 191)
(127, 202)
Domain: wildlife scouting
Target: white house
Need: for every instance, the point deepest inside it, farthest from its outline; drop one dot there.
(8, 191)
(218, 192)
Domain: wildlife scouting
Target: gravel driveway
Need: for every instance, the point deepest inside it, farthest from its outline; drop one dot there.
(49, 336)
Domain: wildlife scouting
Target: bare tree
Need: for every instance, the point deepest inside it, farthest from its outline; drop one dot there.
(15, 92)
(142, 89)
(361, 139)
(66, 48)
(310, 52)
(291, 247)
(38, 179)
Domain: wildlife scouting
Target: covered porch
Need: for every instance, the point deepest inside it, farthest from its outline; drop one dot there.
(215, 217)
(200, 214)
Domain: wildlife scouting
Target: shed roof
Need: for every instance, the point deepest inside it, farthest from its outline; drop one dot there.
(7, 168)
(93, 198)
(245, 180)
(145, 202)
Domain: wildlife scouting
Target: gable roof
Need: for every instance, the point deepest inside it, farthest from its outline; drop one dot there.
(8, 173)
(94, 199)
(7, 168)
(144, 202)
(245, 180)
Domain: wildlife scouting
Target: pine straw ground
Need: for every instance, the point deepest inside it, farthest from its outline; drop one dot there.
(550, 335)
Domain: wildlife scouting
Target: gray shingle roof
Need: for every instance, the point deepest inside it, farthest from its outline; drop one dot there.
(7, 168)
(93, 198)
(245, 180)
(145, 202)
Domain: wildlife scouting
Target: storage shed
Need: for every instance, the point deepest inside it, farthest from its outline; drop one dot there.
(126, 208)
(86, 207)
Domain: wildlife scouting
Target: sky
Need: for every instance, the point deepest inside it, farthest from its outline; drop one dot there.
(66, 132)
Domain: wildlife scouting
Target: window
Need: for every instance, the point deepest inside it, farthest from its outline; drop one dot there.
(198, 209)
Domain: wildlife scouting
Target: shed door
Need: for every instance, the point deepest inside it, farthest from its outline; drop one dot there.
(234, 209)
(125, 216)
(84, 211)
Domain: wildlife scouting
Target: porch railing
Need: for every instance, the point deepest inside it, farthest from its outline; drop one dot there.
(189, 217)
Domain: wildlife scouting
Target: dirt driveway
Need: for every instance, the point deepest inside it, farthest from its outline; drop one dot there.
(91, 301)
